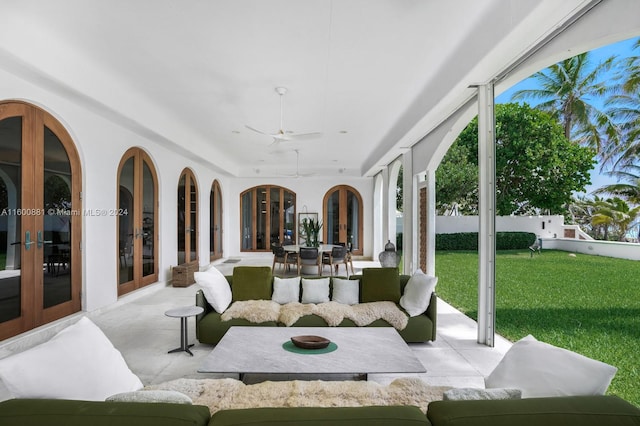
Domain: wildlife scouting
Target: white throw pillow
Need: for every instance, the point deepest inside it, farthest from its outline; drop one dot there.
(543, 370)
(417, 293)
(346, 291)
(215, 287)
(78, 363)
(315, 290)
(286, 290)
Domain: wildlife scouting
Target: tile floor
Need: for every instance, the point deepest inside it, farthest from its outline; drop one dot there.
(137, 326)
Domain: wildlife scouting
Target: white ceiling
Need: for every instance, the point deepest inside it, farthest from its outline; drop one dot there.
(374, 76)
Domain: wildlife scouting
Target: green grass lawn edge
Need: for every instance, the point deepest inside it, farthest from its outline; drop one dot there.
(586, 304)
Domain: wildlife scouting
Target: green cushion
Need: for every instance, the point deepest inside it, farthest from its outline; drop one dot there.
(210, 328)
(52, 412)
(316, 416)
(380, 284)
(558, 411)
(251, 283)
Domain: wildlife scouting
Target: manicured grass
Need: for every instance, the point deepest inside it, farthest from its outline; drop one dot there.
(587, 304)
(3, 261)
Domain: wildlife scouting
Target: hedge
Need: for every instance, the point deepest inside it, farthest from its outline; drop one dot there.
(469, 241)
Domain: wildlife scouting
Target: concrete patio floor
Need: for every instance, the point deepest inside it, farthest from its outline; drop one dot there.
(138, 327)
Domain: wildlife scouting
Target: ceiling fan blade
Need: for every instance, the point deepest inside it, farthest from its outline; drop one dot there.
(302, 136)
(261, 132)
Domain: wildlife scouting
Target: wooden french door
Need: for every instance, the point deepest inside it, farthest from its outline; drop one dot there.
(40, 220)
(187, 218)
(342, 213)
(137, 221)
(215, 221)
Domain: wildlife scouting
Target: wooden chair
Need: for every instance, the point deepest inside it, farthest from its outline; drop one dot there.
(348, 257)
(286, 259)
(337, 256)
(309, 256)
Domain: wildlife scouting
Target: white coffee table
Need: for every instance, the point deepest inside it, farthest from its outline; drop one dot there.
(361, 351)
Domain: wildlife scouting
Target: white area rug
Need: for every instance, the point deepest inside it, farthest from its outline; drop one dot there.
(219, 394)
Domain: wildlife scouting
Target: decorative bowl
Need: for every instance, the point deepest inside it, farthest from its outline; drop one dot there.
(310, 342)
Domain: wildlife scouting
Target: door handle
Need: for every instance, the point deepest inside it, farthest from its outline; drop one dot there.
(40, 241)
(27, 242)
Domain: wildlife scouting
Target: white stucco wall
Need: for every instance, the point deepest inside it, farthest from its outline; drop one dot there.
(553, 225)
(101, 143)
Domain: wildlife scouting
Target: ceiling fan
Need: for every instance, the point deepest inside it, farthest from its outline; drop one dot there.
(298, 174)
(282, 135)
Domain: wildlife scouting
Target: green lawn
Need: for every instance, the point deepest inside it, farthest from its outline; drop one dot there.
(3, 260)
(587, 304)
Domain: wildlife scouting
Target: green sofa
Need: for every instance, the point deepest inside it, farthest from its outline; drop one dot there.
(251, 282)
(558, 411)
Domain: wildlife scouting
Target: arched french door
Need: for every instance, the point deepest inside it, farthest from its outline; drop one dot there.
(137, 262)
(40, 220)
(342, 213)
(268, 217)
(215, 222)
(187, 217)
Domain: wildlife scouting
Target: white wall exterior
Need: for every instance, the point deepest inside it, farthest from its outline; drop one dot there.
(553, 225)
(595, 247)
(101, 143)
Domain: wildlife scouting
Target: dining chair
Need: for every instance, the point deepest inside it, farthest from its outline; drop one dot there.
(285, 258)
(348, 256)
(309, 256)
(337, 256)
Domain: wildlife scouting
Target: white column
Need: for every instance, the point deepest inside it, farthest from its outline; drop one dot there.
(408, 212)
(385, 208)
(487, 206)
(431, 222)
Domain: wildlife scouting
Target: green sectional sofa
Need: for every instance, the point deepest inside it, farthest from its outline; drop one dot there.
(557, 411)
(251, 282)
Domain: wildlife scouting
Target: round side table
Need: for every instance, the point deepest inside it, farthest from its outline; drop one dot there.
(183, 313)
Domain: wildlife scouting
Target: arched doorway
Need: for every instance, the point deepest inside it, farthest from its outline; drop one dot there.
(40, 220)
(215, 221)
(268, 217)
(137, 221)
(187, 217)
(342, 213)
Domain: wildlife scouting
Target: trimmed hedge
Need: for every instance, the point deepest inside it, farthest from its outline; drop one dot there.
(469, 241)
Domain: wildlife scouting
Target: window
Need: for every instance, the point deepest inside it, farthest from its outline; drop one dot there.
(268, 218)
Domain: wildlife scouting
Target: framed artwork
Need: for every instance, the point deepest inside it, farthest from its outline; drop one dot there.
(301, 217)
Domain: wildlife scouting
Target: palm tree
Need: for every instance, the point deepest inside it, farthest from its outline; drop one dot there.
(630, 190)
(625, 108)
(567, 90)
(617, 214)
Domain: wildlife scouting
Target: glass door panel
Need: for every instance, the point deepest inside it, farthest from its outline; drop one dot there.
(126, 222)
(261, 220)
(333, 218)
(182, 222)
(274, 216)
(289, 218)
(56, 240)
(148, 221)
(193, 221)
(215, 222)
(10, 222)
(353, 215)
(247, 221)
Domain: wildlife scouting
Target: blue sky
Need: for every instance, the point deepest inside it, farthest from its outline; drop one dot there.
(621, 49)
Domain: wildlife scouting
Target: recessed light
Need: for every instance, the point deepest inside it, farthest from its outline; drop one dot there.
(237, 132)
(343, 131)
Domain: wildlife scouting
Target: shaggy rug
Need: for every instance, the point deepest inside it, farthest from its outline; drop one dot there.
(220, 394)
(333, 313)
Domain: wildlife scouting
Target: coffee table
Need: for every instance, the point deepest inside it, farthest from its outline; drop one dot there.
(360, 351)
